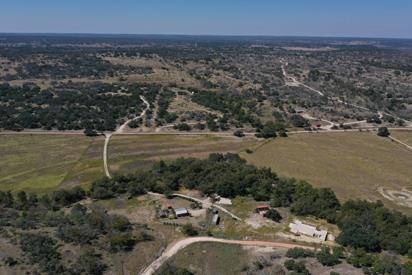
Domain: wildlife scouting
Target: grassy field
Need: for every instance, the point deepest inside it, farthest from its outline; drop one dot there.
(353, 164)
(221, 258)
(234, 259)
(128, 153)
(404, 136)
(40, 163)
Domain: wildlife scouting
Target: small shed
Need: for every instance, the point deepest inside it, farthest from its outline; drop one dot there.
(220, 200)
(163, 213)
(181, 212)
(299, 110)
(262, 208)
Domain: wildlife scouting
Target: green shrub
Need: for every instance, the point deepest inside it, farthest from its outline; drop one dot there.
(298, 252)
(189, 230)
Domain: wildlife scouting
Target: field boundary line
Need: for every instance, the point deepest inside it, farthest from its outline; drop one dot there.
(400, 142)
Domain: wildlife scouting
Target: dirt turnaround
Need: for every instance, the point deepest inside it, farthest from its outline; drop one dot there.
(400, 197)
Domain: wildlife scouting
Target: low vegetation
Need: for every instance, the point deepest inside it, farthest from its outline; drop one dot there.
(45, 163)
(48, 226)
(91, 84)
(385, 230)
(230, 176)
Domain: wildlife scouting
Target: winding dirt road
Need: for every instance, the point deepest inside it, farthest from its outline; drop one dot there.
(177, 246)
(120, 130)
(105, 163)
(295, 82)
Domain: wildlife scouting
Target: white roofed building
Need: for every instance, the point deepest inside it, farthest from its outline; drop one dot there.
(181, 212)
(299, 228)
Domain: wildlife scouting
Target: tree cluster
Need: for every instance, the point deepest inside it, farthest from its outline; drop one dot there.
(43, 225)
(95, 108)
(373, 227)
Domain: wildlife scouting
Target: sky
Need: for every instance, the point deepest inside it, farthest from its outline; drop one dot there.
(354, 18)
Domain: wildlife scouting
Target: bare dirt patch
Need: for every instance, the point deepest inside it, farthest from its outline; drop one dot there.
(400, 197)
(257, 221)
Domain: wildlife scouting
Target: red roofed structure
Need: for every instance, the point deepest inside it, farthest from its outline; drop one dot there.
(261, 208)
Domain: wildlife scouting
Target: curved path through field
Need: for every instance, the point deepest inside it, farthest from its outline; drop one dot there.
(177, 246)
(120, 130)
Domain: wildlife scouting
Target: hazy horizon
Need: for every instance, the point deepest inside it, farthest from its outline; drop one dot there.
(317, 18)
(198, 35)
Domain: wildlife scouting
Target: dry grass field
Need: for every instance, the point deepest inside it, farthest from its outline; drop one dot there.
(222, 258)
(40, 163)
(354, 165)
(163, 72)
(234, 259)
(404, 136)
(128, 153)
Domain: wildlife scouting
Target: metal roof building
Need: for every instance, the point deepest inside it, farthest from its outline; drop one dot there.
(298, 227)
(181, 212)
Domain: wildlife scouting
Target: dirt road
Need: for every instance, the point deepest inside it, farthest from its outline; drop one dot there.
(295, 82)
(105, 163)
(400, 142)
(120, 130)
(177, 246)
(214, 134)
